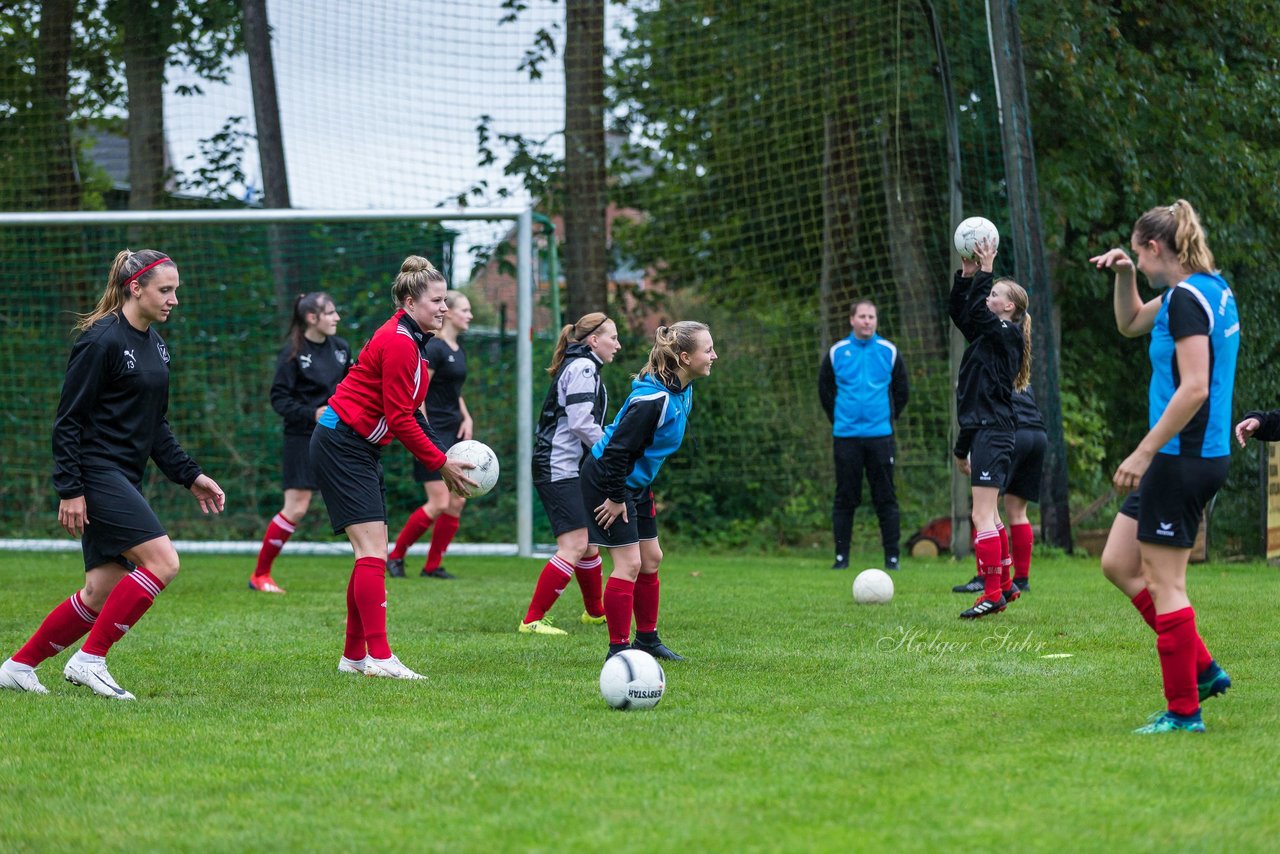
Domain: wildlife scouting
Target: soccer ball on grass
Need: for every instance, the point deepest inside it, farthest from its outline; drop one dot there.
(872, 587)
(632, 679)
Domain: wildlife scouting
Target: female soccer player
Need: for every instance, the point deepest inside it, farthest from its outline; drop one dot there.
(1181, 463)
(1029, 445)
(111, 418)
(314, 360)
(379, 400)
(617, 478)
(572, 420)
(450, 422)
(993, 318)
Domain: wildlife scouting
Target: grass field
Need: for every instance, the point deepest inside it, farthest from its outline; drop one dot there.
(801, 722)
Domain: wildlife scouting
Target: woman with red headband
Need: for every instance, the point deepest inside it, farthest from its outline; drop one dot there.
(111, 419)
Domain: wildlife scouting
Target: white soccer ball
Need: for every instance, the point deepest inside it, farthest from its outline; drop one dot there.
(485, 472)
(872, 587)
(971, 231)
(632, 679)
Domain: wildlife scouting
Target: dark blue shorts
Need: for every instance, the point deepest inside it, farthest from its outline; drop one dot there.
(1028, 464)
(119, 518)
(991, 458)
(1169, 502)
(348, 471)
(562, 500)
(642, 514)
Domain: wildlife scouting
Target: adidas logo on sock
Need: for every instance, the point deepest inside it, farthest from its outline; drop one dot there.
(122, 627)
(56, 647)
(277, 543)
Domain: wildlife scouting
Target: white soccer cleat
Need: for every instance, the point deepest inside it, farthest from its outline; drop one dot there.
(389, 668)
(352, 665)
(19, 677)
(94, 675)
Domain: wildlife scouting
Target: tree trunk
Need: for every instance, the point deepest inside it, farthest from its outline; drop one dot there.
(586, 264)
(59, 187)
(145, 49)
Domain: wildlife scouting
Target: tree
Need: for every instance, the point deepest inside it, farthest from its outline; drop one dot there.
(586, 197)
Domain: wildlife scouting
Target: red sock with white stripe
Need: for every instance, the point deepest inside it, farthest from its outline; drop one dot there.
(65, 625)
(590, 579)
(370, 582)
(1006, 557)
(415, 527)
(1176, 642)
(646, 602)
(551, 583)
(278, 533)
(354, 648)
(619, 596)
(1023, 539)
(124, 607)
(446, 527)
(987, 547)
(1147, 608)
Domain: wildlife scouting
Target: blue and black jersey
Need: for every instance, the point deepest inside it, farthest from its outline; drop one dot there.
(1203, 304)
(648, 428)
(863, 387)
(984, 392)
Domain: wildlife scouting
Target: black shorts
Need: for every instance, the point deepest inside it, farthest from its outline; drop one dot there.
(991, 458)
(1170, 500)
(1028, 464)
(422, 474)
(296, 465)
(562, 499)
(642, 515)
(348, 471)
(119, 518)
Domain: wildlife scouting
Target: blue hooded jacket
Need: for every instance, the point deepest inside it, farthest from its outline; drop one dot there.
(648, 428)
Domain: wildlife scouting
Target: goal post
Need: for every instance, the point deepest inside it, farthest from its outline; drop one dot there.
(37, 250)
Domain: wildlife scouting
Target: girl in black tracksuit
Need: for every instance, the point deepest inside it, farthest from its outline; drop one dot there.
(1263, 426)
(993, 317)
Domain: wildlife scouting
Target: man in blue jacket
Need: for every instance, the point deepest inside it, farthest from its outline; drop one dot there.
(863, 388)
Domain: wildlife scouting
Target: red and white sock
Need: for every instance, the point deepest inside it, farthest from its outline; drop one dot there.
(130, 599)
(590, 580)
(446, 527)
(619, 597)
(354, 648)
(370, 593)
(278, 533)
(1176, 638)
(1023, 538)
(65, 625)
(646, 602)
(987, 547)
(413, 529)
(551, 583)
(1147, 608)
(1006, 557)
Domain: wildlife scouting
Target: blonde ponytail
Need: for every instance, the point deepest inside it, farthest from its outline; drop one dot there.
(669, 342)
(126, 267)
(1177, 227)
(586, 326)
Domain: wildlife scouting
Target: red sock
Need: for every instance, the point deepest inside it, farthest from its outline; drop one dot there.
(987, 548)
(415, 527)
(446, 527)
(1176, 642)
(588, 573)
(1022, 540)
(1006, 557)
(354, 648)
(646, 602)
(370, 579)
(65, 625)
(973, 547)
(551, 583)
(1147, 609)
(124, 607)
(619, 597)
(278, 533)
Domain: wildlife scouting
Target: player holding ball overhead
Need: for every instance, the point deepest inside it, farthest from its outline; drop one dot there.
(376, 402)
(1181, 463)
(992, 316)
(618, 474)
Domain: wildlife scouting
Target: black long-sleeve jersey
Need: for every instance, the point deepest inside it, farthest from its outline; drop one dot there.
(448, 373)
(305, 381)
(1027, 410)
(1269, 431)
(112, 410)
(984, 393)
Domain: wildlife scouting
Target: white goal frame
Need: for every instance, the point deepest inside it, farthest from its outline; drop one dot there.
(523, 220)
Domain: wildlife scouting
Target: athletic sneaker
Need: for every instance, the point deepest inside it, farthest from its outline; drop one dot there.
(891, 563)
(587, 620)
(540, 627)
(438, 572)
(1023, 584)
(842, 562)
(615, 648)
(395, 567)
(653, 645)
(1212, 681)
(350, 665)
(264, 584)
(1012, 594)
(1162, 722)
(389, 668)
(973, 585)
(983, 607)
(20, 677)
(93, 675)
